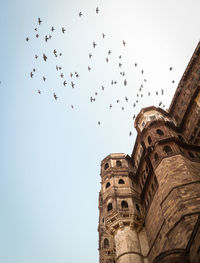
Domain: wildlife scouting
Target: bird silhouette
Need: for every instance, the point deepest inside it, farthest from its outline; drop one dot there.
(27, 39)
(36, 56)
(65, 83)
(124, 43)
(109, 52)
(43, 78)
(39, 21)
(103, 35)
(102, 87)
(52, 29)
(61, 75)
(107, 60)
(89, 68)
(94, 44)
(110, 106)
(170, 68)
(92, 99)
(44, 57)
(97, 10)
(37, 35)
(55, 97)
(63, 30)
(99, 122)
(80, 14)
(72, 84)
(90, 55)
(31, 74)
(130, 133)
(39, 91)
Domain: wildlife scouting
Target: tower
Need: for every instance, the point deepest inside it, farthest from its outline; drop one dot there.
(120, 217)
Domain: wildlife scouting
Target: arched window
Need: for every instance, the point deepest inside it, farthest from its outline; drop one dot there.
(124, 204)
(106, 166)
(137, 207)
(121, 181)
(155, 156)
(181, 138)
(159, 132)
(167, 149)
(106, 243)
(149, 140)
(118, 163)
(191, 154)
(109, 207)
(107, 185)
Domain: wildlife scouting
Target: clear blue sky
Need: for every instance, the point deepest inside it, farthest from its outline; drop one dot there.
(51, 153)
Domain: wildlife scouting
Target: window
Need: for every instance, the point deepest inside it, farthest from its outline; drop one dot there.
(149, 140)
(124, 204)
(107, 185)
(138, 208)
(106, 243)
(159, 132)
(109, 207)
(167, 149)
(118, 163)
(121, 181)
(155, 156)
(106, 166)
(191, 154)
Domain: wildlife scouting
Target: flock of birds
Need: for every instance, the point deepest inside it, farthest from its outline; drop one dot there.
(92, 99)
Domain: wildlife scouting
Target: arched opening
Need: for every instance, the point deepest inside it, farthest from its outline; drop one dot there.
(109, 207)
(159, 132)
(137, 207)
(118, 163)
(149, 140)
(191, 154)
(106, 166)
(107, 185)
(121, 181)
(181, 138)
(106, 243)
(155, 156)
(167, 149)
(124, 204)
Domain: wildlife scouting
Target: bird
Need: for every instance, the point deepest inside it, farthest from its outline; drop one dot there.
(107, 60)
(90, 55)
(97, 10)
(72, 84)
(133, 116)
(92, 99)
(123, 74)
(170, 68)
(37, 35)
(52, 29)
(33, 69)
(80, 14)
(44, 78)
(135, 64)
(117, 101)
(36, 56)
(57, 68)
(35, 29)
(72, 106)
(103, 35)
(109, 52)
(50, 36)
(120, 64)
(142, 71)
(115, 82)
(61, 75)
(124, 43)
(122, 108)
(96, 93)
(65, 83)
(145, 80)
(27, 39)
(112, 82)
(89, 68)
(77, 75)
(60, 68)
(173, 81)
(126, 99)
(134, 105)
(94, 44)
(149, 93)
(60, 54)
(156, 93)
(55, 97)
(46, 38)
(71, 75)
(39, 21)
(99, 122)
(63, 30)
(102, 87)
(162, 91)
(31, 74)
(110, 106)
(44, 57)
(39, 91)
(55, 52)
(130, 133)
(125, 82)
(120, 57)
(160, 103)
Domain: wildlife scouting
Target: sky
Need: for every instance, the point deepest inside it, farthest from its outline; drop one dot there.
(51, 152)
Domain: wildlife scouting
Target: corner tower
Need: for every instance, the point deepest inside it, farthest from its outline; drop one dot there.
(121, 217)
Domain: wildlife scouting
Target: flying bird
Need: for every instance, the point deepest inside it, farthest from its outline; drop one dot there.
(52, 29)
(103, 35)
(170, 68)
(27, 39)
(61, 75)
(71, 75)
(110, 106)
(122, 108)
(89, 68)
(36, 56)
(44, 57)
(133, 116)
(37, 35)
(55, 97)
(46, 38)
(160, 103)
(130, 133)
(39, 21)
(39, 91)
(92, 99)
(109, 52)
(124, 43)
(55, 52)
(97, 10)
(65, 83)
(44, 78)
(99, 122)
(120, 64)
(35, 29)
(125, 82)
(63, 30)
(80, 14)
(126, 99)
(72, 84)
(33, 69)
(31, 74)
(90, 55)
(135, 64)
(94, 44)
(102, 87)
(107, 60)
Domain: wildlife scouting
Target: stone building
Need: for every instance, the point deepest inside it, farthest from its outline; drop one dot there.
(149, 203)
